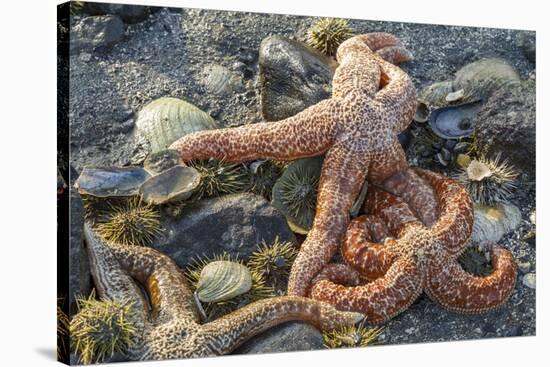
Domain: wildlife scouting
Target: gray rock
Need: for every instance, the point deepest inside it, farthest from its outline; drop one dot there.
(234, 223)
(292, 77)
(506, 124)
(128, 13)
(529, 46)
(529, 280)
(288, 337)
(96, 31)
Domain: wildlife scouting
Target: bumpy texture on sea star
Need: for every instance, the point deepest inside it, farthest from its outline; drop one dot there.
(172, 327)
(372, 102)
(417, 258)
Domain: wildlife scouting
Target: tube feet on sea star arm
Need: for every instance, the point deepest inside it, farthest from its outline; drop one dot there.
(457, 290)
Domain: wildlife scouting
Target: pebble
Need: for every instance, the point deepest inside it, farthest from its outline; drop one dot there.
(529, 280)
(410, 330)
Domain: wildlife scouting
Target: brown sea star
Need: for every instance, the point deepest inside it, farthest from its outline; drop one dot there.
(168, 323)
(357, 129)
(419, 258)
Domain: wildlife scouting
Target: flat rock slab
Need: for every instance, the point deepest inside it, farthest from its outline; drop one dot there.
(96, 31)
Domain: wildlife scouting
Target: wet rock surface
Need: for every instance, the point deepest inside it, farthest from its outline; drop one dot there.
(165, 55)
(235, 224)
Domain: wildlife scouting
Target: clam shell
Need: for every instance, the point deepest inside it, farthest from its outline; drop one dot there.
(480, 78)
(174, 184)
(111, 181)
(435, 94)
(493, 222)
(220, 80)
(167, 119)
(422, 113)
(223, 280)
(454, 122)
(160, 161)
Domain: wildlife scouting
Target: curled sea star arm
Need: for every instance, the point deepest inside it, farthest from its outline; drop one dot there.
(308, 133)
(395, 54)
(416, 192)
(379, 300)
(165, 285)
(454, 227)
(338, 273)
(255, 318)
(457, 290)
(342, 177)
(113, 283)
(361, 251)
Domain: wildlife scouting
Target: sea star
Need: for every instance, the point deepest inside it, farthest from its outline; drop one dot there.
(419, 258)
(357, 129)
(170, 326)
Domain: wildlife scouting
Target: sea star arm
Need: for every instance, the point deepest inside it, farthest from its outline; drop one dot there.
(113, 283)
(308, 133)
(379, 300)
(416, 192)
(358, 69)
(455, 289)
(454, 226)
(166, 286)
(361, 251)
(230, 331)
(398, 96)
(342, 177)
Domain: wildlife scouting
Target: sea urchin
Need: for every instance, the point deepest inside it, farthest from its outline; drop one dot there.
(351, 336)
(273, 262)
(327, 34)
(100, 329)
(130, 223)
(489, 181)
(219, 178)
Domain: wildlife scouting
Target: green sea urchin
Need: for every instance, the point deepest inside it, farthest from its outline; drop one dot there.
(100, 329)
(295, 192)
(130, 223)
(273, 262)
(214, 310)
(351, 336)
(219, 178)
(489, 181)
(327, 34)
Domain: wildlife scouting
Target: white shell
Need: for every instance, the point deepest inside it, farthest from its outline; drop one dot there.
(493, 222)
(223, 280)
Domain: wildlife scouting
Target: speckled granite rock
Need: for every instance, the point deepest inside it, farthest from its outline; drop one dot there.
(128, 13)
(506, 124)
(234, 223)
(288, 337)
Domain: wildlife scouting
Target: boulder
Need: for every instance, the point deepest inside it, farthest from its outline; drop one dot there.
(506, 124)
(293, 77)
(235, 224)
(96, 31)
